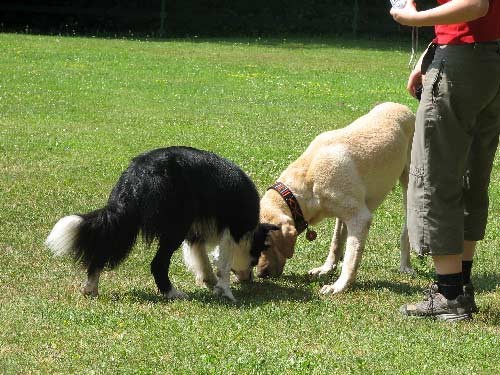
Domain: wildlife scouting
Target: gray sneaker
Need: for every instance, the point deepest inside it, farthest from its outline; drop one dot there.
(469, 293)
(435, 305)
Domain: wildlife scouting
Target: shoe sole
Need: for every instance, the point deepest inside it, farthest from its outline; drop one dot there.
(448, 317)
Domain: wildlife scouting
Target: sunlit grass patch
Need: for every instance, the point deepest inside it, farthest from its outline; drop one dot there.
(74, 111)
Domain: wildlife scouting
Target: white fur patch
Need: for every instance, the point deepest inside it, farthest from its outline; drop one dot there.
(189, 258)
(196, 260)
(227, 255)
(62, 237)
(236, 253)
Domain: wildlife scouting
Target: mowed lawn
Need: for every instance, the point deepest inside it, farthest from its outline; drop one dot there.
(74, 111)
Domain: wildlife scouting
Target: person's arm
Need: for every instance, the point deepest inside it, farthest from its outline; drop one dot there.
(415, 79)
(455, 11)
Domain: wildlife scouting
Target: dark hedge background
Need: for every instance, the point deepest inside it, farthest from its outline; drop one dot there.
(201, 17)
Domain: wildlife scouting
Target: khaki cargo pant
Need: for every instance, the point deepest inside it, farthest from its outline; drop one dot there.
(456, 137)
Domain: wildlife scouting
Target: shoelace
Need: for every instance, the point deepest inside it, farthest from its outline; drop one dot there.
(430, 293)
(432, 289)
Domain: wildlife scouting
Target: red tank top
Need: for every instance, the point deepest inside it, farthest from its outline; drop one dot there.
(484, 29)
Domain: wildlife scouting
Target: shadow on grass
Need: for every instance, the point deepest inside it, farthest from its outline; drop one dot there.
(247, 294)
(393, 287)
(294, 288)
(291, 287)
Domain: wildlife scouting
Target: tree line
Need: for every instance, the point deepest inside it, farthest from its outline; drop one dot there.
(202, 17)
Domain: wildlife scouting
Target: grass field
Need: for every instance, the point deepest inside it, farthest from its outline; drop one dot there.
(74, 111)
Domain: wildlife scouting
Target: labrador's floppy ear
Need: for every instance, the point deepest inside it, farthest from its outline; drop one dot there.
(261, 239)
(267, 228)
(285, 240)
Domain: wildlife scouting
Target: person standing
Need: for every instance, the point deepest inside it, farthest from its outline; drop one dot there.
(456, 137)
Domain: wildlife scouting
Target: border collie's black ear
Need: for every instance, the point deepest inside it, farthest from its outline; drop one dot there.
(267, 227)
(260, 237)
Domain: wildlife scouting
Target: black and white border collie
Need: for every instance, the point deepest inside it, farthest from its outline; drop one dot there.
(172, 195)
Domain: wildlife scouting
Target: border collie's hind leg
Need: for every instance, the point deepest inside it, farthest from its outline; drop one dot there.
(196, 260)
(161, 264)
(90, 288)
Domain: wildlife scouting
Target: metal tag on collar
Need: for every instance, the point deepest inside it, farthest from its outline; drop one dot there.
(311, 234)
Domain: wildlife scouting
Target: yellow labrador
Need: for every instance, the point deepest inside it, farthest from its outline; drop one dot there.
(346, 174)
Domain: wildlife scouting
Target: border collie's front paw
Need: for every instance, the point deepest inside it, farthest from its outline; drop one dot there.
(175, 294)
(89, 291)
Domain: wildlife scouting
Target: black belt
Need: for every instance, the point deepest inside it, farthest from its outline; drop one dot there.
(493, 45)
(495, 42)
(489, 43)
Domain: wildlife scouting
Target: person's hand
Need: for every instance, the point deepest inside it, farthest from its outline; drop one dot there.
(414, 81)
(405, 16)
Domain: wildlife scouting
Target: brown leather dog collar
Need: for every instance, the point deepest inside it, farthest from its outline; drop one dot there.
(298, 217)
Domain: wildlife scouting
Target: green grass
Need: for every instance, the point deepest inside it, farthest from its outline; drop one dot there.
(74, 111)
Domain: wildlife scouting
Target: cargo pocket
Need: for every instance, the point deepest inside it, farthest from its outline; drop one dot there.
(417, 209)
(417, 188)
(436, 83)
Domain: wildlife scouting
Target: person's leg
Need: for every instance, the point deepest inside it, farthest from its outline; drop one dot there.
(449, 275)
(435, 212)
(439, 159)
(453, 271)
(467, 259)
(441, 155)
(447, 264)
(450, 264)
(486, 132)
(444, 134)
(469, 250)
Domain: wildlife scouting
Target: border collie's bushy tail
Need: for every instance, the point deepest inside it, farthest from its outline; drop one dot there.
(98, 239)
